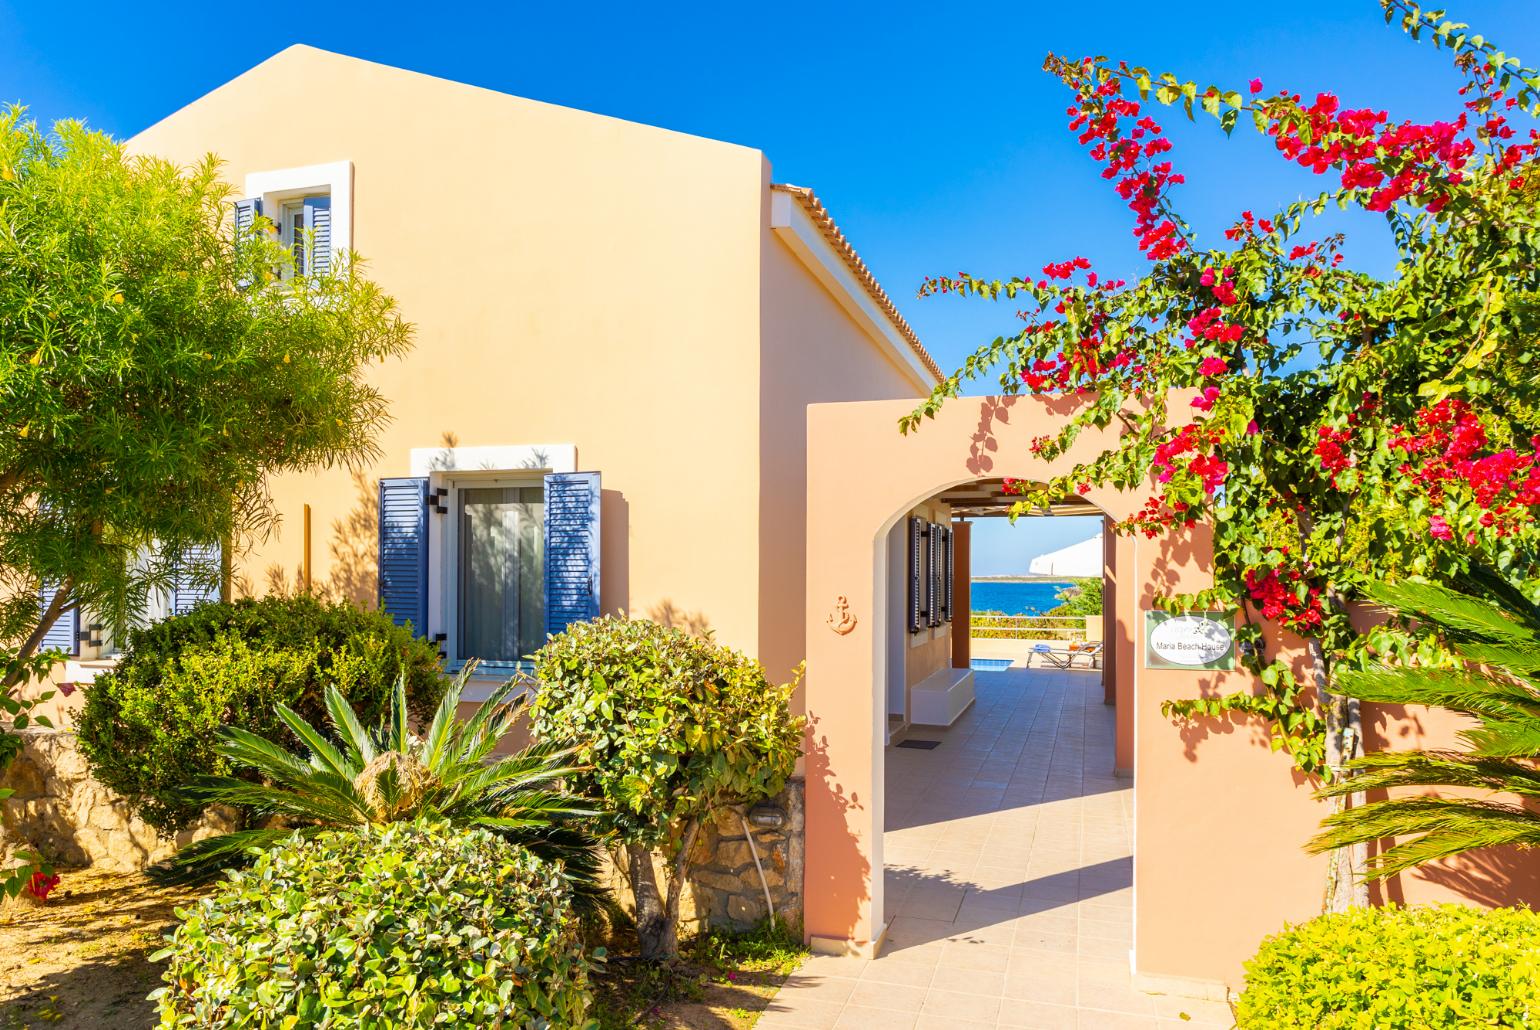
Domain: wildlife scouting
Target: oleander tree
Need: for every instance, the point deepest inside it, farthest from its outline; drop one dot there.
(156, 368)
(1332, 426)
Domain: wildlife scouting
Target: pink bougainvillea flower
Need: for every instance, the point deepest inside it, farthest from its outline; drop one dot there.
(1439, 529)
(1205, 400)
(1212, 366)
(1256, 85)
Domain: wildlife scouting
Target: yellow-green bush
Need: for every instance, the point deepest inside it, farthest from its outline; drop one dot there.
(406, 925)
(1393, 968)
(150, 727)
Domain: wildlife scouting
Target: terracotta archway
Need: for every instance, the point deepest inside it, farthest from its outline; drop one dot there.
(862, 475)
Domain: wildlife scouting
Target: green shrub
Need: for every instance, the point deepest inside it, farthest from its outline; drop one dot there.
(151, 726)
(1389, 968)
(667, 728)
(403, 925)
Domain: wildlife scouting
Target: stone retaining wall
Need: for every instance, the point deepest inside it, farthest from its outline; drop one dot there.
(61, 812)
(724, 887)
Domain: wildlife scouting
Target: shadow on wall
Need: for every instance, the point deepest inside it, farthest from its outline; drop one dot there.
(354, 550)
(615, 552)
(1491, 876)
(667, 613)
(837, 895)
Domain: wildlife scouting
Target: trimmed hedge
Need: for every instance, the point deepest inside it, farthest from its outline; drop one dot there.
(148, 728)
(1391, 968)
(403, 925)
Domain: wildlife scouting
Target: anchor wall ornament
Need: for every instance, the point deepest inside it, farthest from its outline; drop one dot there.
(841, 621)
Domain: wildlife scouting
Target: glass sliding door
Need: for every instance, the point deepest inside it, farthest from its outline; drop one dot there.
(501, 602)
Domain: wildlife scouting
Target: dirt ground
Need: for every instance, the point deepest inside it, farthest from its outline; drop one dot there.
(81, 959)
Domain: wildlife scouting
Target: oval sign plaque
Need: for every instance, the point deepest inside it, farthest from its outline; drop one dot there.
(1190, 641)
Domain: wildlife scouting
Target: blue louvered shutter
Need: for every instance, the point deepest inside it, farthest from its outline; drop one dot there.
(404, 552)
(64, 634)
(246, 211)
(197, 580)
(318, 223)
(916, 579)
(571, 549)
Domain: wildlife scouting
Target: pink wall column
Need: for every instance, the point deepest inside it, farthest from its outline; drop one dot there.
(962, 594)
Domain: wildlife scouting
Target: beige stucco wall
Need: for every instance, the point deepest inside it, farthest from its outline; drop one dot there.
(573, 279)
(811, 351)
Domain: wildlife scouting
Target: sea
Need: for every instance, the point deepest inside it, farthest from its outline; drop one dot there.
(1029, 598)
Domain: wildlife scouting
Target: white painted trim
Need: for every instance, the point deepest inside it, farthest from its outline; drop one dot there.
(795, 228)
(1183, 987)
(554, 457)
(334, 178)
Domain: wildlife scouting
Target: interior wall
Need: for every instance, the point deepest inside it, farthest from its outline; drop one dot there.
(896, 671)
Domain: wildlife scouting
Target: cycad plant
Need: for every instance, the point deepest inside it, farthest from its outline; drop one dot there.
(1485, 663)
(448, 774)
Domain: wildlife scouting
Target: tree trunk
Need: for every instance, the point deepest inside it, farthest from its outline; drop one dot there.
(657, 914)
(654, 932)
(29, 647)
(1346, 887)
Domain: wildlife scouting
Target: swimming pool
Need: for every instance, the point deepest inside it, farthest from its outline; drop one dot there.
(990, 664)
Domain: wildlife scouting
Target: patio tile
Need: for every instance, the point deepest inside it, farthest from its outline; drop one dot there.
(961, 1007)
(978, 982)
(1039, 1016)
(859, 1018)
(897, 997)
(1008, 879)
(799, 1012)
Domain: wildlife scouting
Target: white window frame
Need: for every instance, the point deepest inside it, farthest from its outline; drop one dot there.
(449, 556)
(451, 469)
(286, 185)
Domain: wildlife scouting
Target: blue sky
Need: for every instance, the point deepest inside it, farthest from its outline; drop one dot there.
(928, 129)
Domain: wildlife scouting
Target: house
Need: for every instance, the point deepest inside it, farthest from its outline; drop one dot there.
(618, 331)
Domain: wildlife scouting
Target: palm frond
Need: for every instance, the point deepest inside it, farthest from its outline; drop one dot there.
(356, 739)
(1482, 580)
(1506, 738)
(441, 729)
(1382, 770)
(1462, 690)
(1442, 827)
(1460, 616)
(400, 718)
(202, 860)
(246, 748)
(322, 750)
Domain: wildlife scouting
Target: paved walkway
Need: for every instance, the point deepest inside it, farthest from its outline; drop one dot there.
(1009, 854)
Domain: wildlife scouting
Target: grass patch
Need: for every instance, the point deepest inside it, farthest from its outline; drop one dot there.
(721, 980)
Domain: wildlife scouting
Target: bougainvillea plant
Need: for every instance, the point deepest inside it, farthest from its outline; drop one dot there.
(1331, 426)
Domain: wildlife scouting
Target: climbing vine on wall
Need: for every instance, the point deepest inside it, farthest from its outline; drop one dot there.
(1331, 426)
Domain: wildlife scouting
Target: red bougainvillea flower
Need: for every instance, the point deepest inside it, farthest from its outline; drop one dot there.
(1205, 400)
(1256, 85)
(42, 884)
(1212, 366)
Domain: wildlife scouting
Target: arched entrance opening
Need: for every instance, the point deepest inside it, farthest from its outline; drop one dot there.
(994, 767)
(863, 479)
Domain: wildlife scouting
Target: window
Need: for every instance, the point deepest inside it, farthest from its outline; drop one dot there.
(499, 571)
(291, 231)
(930, 575)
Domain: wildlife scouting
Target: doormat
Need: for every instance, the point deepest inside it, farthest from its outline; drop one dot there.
(923, 745)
